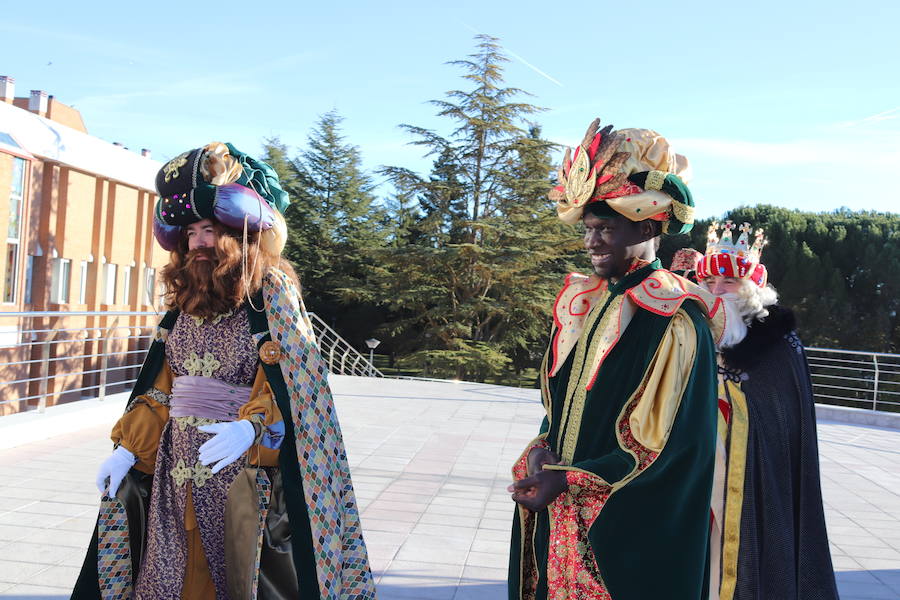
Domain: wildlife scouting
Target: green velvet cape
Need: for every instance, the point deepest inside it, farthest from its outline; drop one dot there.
(651, 538)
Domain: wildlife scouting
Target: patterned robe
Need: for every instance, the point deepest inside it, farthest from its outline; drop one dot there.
(311, 485)
(220, 348)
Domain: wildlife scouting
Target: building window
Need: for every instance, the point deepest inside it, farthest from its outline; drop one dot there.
(82, 288)
(29, 276)
(59, 280)
(149, 286)
(12, 272)
(14, 231)
(109, 283)
(126, 285)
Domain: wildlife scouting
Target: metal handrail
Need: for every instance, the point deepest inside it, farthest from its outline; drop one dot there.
(855, 378)
(81, 313)
(856, 352)
(843, 377)
(330, 340)
(33, 367)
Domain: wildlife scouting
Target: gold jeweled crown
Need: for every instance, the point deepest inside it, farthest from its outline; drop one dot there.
(726, 244)
(727, 258)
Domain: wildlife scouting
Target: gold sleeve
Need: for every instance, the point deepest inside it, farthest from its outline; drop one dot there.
(664, 384)
(262, 402)
(140, 428)
(261, 410)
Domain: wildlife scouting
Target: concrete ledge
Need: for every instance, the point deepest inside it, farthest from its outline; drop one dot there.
(23, 428)
(858, 416)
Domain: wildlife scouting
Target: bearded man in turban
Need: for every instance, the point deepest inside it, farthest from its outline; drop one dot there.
(229, 477)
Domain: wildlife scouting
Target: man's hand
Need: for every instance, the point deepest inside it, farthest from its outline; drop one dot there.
(114, 469)
(228, 444)
(538, 457)
(537, 491)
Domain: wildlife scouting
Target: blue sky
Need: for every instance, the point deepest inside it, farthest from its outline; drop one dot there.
(791, 103)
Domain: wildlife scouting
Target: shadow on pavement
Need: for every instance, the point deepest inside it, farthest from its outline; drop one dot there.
(866, 585)
(466, 591)
(13, 596)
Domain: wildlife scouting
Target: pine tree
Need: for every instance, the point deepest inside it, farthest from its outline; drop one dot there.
(305, 247)
(470, 297)
(540, 246)
(335, 227)
(341, 191)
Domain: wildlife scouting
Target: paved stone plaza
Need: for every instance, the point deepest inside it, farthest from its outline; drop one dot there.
(430, 463)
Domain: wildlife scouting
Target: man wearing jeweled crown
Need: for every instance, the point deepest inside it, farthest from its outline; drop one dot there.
(768, 527)
(229, 477)
(613, 494)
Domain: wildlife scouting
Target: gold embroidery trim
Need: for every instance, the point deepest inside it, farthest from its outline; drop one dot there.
(216, 319)
(571, 431)
(172, 167)
(528, 448)
(202, 474)
(576, 470)
(580, 183)
(523, 531)
(158, 395)
(527, 527)
(584, 356)
(185, 422)
(198, 321)
(199, 474)
(734, 487)
(181, 473)
(683, 212)
(206, 366)
(655, 180)
(546, 400)
(552, 572)
(526, 518)
(259, 427)
(636, 396)
(573, 387)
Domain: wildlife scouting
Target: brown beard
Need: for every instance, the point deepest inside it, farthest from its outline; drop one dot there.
(206, 288)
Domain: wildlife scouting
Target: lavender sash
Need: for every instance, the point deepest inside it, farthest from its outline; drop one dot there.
(196, 396)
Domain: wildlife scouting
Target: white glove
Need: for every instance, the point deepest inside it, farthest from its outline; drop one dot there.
(115, 468)
(229, 444)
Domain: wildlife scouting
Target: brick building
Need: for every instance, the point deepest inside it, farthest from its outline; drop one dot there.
(78, 215)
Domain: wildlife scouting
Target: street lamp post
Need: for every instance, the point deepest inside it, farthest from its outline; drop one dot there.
(372, 343)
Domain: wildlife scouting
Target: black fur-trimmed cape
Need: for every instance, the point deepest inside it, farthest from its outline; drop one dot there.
(762, 335)
(783, 551)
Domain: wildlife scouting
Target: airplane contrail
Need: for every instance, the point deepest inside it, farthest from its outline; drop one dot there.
(533, 68)
(885, 115)
(517, 57)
